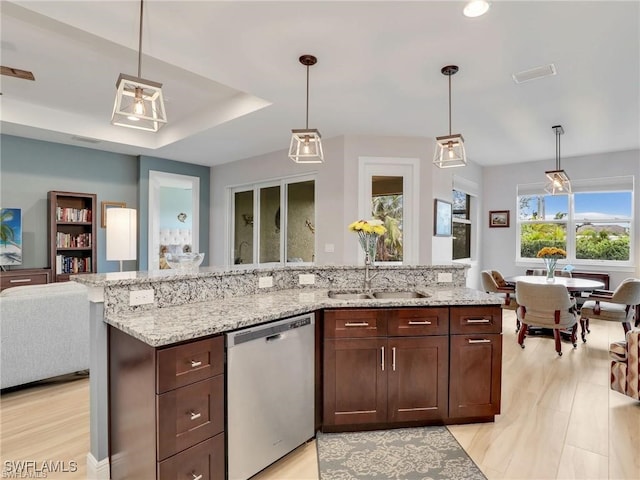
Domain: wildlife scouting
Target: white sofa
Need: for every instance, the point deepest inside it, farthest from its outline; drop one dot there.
(44, 332)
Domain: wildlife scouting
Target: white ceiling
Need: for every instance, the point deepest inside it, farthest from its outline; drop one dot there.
(235, 88)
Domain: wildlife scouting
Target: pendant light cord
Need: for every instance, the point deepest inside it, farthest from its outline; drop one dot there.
(140, 42)
(449, 104)
(557, 149)
(307, 122)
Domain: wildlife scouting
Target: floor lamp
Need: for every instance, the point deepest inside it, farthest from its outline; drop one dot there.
(121, 234)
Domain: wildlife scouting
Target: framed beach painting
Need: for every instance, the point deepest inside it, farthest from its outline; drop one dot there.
(10, 236)
(442, 218)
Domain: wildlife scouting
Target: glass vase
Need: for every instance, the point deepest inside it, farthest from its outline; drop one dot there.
(550, 263)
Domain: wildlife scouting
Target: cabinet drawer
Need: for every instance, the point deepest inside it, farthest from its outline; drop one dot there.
(189, 363)
(204, 461)
(476, 319)
(17, 278)
(418, 321)
(354, 322)
(189, 415)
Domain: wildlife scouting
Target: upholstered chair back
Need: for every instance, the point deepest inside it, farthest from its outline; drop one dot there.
(628, 292)
(542, 305)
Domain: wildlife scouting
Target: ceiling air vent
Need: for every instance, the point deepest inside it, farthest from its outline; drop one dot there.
(85, 139)
(16, 72)
(534, 73)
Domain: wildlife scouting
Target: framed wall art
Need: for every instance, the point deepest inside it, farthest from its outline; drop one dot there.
(499, 218)
(108, 205)
(442, 218)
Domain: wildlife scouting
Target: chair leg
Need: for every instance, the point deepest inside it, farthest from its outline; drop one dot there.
(556, 336)
(521, 334)
(574, 335)
(626, 326)
(517, 325)
(583, 333)
(586, 325)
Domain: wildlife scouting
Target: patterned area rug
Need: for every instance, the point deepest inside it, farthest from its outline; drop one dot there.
(425, 453)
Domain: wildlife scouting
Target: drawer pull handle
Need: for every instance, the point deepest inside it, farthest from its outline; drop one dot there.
(478, 320)
(482, 340)
(356, 324)
(196, 477)
(419, 322)
(382, 362)
(195, 364)
(195, 416)
(20, 280)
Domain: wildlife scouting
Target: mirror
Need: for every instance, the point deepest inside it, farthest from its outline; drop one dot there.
(173, 215)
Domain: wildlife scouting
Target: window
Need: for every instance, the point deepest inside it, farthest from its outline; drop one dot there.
(387, 206)
(461, 225)
(593, 224)
(283, 228)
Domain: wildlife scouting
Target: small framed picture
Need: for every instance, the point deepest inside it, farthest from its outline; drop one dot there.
(499, 218)
(442, 218)
(106, 206)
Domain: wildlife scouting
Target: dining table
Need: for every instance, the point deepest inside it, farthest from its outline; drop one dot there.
(574, 285)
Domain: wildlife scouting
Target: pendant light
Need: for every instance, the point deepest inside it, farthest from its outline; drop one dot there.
(558, 180)
(450, 148)
(306, 146)
(139, 102)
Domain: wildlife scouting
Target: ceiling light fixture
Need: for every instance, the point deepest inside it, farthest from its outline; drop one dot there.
(476, 8)
(306, 146)
(139, 102)
(450, 148)
(558, 178)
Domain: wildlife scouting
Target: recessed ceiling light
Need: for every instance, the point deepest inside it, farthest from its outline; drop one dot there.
(534, 73)
(475, 8)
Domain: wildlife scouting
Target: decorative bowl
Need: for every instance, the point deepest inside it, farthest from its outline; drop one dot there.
(184, 261)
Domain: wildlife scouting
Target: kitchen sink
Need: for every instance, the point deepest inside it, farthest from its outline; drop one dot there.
(347, 295)
(350, 296)
(400, 294)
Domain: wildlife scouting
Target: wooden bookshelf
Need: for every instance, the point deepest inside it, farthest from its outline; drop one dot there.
(72, 234)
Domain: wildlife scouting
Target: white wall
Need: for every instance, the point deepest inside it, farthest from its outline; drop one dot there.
(499, 244)
(337, 195)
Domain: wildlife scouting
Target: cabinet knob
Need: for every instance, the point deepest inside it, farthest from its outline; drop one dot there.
(419, 322)
(482, 340)
(194, 415)
(356, 324)
(196, 477)
(478, 320)
(195, 364)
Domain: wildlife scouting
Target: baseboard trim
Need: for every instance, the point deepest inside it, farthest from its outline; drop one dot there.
(97, 470)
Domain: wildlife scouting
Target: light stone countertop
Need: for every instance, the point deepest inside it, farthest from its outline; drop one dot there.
(166, 326)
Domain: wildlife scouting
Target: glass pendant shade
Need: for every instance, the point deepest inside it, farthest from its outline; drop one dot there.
(139, 104)
(450, 152)
(306, 146)
(557, 182)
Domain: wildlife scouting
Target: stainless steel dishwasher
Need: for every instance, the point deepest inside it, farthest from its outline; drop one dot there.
(270, 393)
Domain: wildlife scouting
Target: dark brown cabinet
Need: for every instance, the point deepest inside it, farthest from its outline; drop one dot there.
(26, 276)
(408, 366)
(385, 365)
(475, 361)
(166, 409)
(72, 234)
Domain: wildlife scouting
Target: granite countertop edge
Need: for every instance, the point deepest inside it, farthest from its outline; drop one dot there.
(161, 327)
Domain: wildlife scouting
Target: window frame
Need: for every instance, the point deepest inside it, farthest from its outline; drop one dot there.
(571, 223)
(464, 221)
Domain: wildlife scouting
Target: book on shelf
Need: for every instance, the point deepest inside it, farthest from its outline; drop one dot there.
(72, 215)
(67, 264)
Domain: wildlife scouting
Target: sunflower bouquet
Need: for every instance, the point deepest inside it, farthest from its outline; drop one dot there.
(368, 233)
(550, 255)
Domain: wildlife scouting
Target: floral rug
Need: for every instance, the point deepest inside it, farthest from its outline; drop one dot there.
(425, 453)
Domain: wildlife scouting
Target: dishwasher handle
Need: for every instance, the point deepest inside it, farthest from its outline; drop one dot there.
(272, 338)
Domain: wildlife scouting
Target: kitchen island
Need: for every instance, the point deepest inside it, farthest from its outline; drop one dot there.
(189, 308)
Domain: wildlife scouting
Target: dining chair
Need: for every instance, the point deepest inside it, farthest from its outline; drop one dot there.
(494, 282)
(546, 306)
(619, 305)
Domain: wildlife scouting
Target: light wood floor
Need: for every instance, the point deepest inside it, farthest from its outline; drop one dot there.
(559, 419)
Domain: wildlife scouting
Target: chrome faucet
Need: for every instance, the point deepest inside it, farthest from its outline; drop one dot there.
(367, 273)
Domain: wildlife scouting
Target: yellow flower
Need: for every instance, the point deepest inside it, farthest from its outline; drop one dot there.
(551, 252)
(368, 226)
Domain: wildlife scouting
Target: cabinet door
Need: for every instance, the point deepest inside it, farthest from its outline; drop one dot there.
(418, 369)
(355, 381)
(476, 371)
